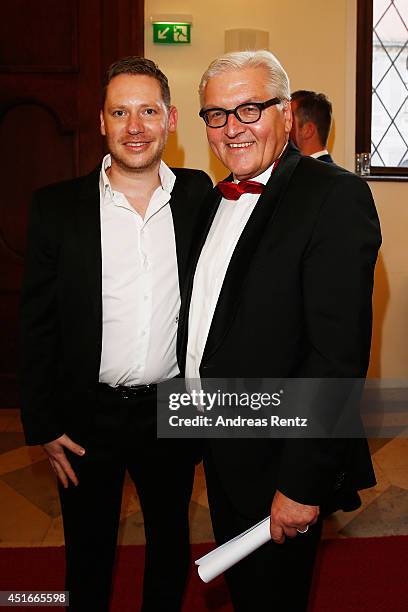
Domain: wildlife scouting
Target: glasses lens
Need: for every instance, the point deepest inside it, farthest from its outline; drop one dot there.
(248, 113)
(215, 117)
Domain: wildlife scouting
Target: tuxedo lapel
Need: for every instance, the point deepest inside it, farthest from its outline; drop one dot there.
(196, 243)
(246, 247)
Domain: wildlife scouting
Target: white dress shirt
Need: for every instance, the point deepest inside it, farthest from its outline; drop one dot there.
(226, 229)
(140, 287)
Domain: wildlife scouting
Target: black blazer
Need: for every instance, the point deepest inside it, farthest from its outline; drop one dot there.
(296, 302)
(326, 157)
(61, 304)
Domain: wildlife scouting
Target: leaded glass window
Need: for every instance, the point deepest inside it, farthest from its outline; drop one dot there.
(389, 118)
(382, 84)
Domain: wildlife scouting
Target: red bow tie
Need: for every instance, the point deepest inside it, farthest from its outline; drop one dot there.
(233, 191)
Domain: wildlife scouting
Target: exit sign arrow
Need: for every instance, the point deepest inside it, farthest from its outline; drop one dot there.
(161, 34)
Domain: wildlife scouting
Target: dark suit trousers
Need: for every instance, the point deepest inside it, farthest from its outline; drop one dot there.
(123, 436)
(274, 577)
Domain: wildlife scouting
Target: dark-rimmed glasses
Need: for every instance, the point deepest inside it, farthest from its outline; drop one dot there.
(245, 113)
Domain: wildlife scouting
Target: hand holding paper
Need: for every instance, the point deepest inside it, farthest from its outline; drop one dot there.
(225, 556)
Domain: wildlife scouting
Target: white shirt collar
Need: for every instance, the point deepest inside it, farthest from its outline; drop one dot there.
(266, 174)
(264, 177)
(167, 177)
(319, 153)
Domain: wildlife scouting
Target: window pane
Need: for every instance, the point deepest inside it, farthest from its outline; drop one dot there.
(389, 121)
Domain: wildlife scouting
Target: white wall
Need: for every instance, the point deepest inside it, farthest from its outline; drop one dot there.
(315, 42)
(296, 30)
(390, 331)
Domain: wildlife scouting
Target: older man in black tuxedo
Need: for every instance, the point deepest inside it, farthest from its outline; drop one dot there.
(281, 289)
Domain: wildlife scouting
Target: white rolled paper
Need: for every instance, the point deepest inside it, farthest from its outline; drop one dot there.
(225, 556)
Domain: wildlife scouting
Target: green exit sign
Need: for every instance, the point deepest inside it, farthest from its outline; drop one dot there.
(171, 33)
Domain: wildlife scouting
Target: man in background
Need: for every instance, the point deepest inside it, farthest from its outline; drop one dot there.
(106, 261)
(312, 116)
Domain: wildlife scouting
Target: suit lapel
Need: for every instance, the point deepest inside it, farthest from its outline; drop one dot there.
(246, 247)
(183, 228)
(89, 233)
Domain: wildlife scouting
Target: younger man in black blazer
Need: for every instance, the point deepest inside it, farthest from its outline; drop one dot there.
(106, 260)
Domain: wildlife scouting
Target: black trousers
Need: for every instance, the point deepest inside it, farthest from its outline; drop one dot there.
(123, 437)
(276, 577)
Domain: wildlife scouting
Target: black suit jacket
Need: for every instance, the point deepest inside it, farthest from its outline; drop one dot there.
(61, 304)
(326, 157)
(295, 302)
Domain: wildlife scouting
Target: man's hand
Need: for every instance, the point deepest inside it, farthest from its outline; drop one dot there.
(287, 516)
(59, 461)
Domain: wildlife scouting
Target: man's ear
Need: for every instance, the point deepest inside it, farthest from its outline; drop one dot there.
(308, 130)
(172, 119)
(103, 131)
(288, 117)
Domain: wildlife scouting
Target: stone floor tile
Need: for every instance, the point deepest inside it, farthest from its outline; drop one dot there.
(5, 418)
(22, 523)
(386, 515)
(199, 494)
(376, 443)
(10, 440)
(20, 458)
(14, 424)
(399, 477)
(131, 529)
(200, 524)
(393, 455)
(130, 499)
(55, 534)
(37, 483)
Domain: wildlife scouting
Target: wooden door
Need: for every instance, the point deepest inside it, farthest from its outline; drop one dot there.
(53, 56)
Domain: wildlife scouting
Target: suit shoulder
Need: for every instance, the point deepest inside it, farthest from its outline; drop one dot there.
(67, 189)
(340, 198)
(321, 168)
(327, 176)
(191, 177)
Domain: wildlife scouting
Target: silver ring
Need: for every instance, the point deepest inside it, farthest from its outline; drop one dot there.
(304, 530)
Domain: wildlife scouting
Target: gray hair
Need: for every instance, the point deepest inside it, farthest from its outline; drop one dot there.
(277, 79)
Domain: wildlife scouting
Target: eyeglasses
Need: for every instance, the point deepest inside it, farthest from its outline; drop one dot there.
(245, 113)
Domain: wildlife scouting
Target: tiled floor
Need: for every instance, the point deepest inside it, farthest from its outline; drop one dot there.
(30, 512)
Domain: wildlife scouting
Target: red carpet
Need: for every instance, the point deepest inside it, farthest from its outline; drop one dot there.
(353, 575)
